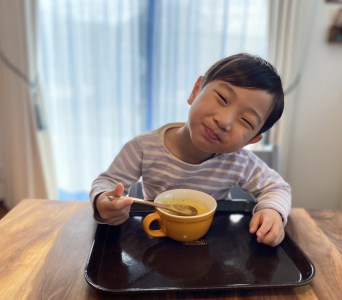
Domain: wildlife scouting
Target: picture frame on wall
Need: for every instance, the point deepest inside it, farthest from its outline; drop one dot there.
(335, 30)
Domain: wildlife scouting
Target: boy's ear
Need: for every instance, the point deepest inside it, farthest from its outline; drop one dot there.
(255, 139)
(195, 90)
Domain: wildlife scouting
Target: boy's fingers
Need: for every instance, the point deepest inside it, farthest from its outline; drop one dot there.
(115, 209)
(254, 223)
(120, 203)
(264, 228)
(119, 189)
(272, 238)
(117, 192)
(116, 203)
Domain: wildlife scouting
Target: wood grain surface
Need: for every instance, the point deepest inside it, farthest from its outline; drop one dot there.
(44, 246)
(330, 222)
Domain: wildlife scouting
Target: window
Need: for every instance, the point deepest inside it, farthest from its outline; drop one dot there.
(113, 69)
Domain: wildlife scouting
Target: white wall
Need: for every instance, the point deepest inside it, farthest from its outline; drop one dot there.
(315, 152)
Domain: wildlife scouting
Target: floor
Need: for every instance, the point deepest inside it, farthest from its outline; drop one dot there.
(3, 210)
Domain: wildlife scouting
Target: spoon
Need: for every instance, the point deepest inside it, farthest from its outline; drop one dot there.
(179, 209)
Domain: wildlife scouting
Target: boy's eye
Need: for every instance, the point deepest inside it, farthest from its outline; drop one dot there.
(222, 98)
(247, 123)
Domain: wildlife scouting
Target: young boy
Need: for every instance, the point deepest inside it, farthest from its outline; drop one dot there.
(238, 99)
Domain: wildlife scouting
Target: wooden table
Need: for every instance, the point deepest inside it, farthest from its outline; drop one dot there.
(44, 245)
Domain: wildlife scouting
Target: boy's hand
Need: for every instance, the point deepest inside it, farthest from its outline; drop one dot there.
(268, 226)
(115, 211)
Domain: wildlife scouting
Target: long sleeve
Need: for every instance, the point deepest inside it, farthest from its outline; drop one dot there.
(147, 158)
(267, 186)
(126, 169)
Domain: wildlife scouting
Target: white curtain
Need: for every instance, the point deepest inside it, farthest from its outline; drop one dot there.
(23, 170)
(113, 69)
(290, 24)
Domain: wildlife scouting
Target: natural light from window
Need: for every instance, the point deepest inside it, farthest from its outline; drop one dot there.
(110, 70)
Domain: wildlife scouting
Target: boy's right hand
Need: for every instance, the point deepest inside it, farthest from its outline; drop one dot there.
(113, 211)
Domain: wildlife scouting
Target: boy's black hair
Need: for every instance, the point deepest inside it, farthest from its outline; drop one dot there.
(250, 71)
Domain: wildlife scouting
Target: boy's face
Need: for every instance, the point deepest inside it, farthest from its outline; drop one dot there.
(224, 118)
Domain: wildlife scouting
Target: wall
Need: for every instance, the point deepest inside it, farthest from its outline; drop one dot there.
(315, 161)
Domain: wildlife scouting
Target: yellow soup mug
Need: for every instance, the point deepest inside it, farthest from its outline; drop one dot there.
(182, 228)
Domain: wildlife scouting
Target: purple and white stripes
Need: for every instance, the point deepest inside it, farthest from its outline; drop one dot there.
(145, 157)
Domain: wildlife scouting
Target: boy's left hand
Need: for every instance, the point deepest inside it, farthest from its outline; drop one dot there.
(268, 226)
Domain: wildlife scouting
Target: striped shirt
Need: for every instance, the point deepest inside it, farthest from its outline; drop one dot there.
(145, 157)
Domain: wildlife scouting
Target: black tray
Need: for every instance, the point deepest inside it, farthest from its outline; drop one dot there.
(123, 259)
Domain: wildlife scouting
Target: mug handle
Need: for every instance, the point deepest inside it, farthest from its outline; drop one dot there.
(147, 223)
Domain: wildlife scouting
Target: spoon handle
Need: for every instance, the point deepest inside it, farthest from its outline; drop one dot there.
(149, 202)
(183, 210)
(141, 201)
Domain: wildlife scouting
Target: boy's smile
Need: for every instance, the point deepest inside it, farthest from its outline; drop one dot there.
(210, 134)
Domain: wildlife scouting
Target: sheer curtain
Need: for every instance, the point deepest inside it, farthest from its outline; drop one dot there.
(290, 27)
(113, 69)
(22, 159)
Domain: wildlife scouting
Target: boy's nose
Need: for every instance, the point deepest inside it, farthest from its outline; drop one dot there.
(224, 121)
